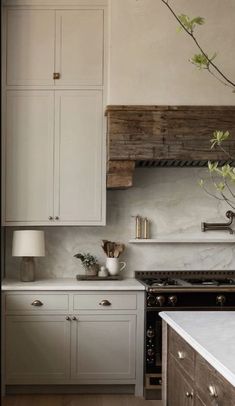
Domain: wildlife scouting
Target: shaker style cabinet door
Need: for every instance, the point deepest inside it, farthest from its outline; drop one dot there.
(29, 156)
(30, 47)
(103, 348)
(79, 182)
(79, 47)
(37, 349)
(179, 390)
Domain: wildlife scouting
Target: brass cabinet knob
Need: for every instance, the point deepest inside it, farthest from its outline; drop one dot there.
(189, 394)
(50, 218)
(68, 318)
(220, 299)
(181, 354)
(57, 218)
(37, 303)
(212, 391)
(74, 318)
(56, 75)
(105, 303)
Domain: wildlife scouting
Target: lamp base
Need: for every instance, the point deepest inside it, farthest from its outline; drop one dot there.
(27, 269)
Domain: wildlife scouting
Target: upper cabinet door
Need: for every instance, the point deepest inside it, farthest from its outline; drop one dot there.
(79, 47)
(79, 166)
(30, 47)
(29, 156)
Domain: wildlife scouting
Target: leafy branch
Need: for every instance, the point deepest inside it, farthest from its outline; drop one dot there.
(201, 60)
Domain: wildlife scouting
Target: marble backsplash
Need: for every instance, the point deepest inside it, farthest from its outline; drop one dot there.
(175, 204)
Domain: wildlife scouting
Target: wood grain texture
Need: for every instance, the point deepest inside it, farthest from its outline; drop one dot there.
(77, 400)
(168, 132)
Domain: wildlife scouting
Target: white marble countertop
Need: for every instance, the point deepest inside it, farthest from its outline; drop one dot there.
(71, 284)
(211, 334)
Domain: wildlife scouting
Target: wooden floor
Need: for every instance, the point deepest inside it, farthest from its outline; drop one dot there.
(77, 400)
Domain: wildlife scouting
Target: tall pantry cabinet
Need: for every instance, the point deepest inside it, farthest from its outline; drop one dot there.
(54, 78)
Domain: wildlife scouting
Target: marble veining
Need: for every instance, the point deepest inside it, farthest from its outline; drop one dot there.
(211, 334)
(174, 203)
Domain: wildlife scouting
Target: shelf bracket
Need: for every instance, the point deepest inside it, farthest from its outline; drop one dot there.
(220, 226)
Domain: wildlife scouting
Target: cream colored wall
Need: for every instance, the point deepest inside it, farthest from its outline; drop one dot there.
(149, 59)
(148, 65)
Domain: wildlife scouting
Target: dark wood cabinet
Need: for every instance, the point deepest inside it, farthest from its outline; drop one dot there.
(189, 380)
(180, 388)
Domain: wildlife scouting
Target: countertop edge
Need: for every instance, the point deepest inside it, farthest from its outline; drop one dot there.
(61, 284)
(213, 361)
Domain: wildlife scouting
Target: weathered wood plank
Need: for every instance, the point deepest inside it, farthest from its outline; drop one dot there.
(168, 132)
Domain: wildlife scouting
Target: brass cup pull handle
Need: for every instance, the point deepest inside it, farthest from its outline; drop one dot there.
(181, 355)
(212, 391)
(74, 318)
(67, 318)
(37, 303)
(105, 303)
(56, 75)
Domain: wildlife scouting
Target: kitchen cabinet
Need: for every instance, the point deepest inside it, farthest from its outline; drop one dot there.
(189, 380)
(57, 338)
(103, 347)
(53, 130)
(54, 169)
(37, 349)
(30, 47)
(43, 42)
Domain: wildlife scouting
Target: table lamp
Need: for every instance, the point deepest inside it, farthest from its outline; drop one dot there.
(28, 244)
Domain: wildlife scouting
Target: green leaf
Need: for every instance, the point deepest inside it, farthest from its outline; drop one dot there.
(219, 137)
(189, 24)
(200, 61)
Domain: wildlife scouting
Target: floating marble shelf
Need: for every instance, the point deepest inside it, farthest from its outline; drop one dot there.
(184, 240)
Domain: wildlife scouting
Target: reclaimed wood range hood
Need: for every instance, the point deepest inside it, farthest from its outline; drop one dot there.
(163, 136)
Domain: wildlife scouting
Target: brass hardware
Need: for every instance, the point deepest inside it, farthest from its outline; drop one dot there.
(189, 394)
(68, 318)
(172, 300)
(56, 75)
(146, 228)
(220, 226)
(57, 218)
(181, 354)
(37, 303)
(50, 218)
(74, 318)
(220, 299)
(105, 303)
(212, 391)
(160, 300)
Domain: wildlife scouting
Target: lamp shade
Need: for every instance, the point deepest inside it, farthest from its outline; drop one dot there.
(28, 243)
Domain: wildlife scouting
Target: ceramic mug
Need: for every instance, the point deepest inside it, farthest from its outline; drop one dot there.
(114, 266)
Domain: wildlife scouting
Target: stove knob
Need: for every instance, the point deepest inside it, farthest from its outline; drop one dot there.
(160, 300)
(150, 332)
(150, 352)
(150, 300)
(220, 299)
(172, 300)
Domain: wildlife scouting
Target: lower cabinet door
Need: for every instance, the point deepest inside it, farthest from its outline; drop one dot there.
(37, 349)
(180, 390)
(103, 348)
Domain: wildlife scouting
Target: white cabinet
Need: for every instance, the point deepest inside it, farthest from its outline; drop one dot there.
(43, 42)
(54, 142)
(78, 155)
(54, 167)
(37, 349)
(107, 338)
(63, 342)
(79, 47)
(30, 47)
(29, 156)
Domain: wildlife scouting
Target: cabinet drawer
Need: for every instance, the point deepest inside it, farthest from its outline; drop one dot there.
(36, 302)
(213, 389)
(182, 352)
(104, 302)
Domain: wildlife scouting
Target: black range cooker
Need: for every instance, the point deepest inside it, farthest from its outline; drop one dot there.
(178, 290)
